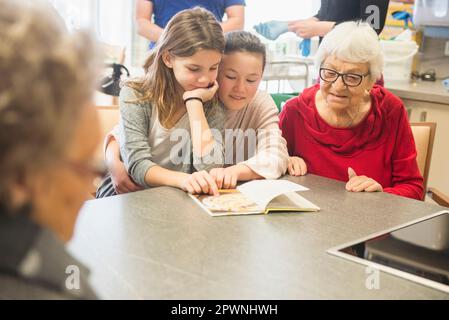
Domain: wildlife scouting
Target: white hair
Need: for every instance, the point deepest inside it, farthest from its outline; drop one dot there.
(355, 42)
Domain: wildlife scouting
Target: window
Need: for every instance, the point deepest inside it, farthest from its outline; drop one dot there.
(110, 21)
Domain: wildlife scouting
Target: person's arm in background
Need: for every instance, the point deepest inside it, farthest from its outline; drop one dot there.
(366, 11)
(310, 27)
(235, 18)
(146, 28)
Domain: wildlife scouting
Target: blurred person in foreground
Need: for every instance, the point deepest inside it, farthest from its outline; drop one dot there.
(48, 134)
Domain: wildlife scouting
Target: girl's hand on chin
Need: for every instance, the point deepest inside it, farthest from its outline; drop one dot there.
(205, 94)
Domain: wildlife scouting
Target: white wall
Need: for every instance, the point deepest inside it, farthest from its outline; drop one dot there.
(115, 19)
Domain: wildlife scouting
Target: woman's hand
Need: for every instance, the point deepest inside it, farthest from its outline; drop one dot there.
(121, 181)
(226, 178)
(296, 166)
(310, 28)
(361, 183)
(199, 182)
(205, 94)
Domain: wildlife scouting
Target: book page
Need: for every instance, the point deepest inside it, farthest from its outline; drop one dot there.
(291, 202)
(263, 191)
(229, 202)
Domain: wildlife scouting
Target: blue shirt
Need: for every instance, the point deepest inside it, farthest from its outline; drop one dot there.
(164, 10)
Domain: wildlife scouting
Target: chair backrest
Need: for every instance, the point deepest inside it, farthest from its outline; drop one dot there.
(424, 135)
(108, 117)
(281, 98)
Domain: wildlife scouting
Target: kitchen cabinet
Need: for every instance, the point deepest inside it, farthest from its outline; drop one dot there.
(428, 101)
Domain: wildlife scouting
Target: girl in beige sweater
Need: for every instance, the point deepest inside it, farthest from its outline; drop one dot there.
(254, 147)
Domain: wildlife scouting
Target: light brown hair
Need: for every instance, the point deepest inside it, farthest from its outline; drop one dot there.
(187, 32)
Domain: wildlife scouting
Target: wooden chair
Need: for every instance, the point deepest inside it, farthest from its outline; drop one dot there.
(281, 98)
(424, 135)
(108, 117)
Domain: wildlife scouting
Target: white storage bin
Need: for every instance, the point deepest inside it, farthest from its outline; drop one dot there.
(398, 58)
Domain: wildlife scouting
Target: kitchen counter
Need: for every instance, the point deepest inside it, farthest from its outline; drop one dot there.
(428, 91)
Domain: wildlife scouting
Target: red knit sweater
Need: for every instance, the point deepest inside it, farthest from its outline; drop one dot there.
(380, 147)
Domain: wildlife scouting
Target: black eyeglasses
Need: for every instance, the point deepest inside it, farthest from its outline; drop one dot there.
(349, 79)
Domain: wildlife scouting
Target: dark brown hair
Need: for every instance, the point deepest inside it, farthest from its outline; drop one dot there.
(244, 41)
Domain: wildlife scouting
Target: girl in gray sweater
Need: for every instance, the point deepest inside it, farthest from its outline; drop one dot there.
(170, 123)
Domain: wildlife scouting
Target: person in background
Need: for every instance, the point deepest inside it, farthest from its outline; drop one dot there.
(49, 133)
(331, 13)
(167, 114)
(164, 10)
(346, 127)
(334, 12)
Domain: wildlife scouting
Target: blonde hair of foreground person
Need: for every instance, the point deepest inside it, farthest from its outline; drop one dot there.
(48, 127)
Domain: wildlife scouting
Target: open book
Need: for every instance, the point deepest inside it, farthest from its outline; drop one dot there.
(256, 197)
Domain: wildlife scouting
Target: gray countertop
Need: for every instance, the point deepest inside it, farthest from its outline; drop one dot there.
(420, 90)
(158, 244)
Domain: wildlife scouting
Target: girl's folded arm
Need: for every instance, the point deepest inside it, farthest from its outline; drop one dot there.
(133, 136)
(213, 155)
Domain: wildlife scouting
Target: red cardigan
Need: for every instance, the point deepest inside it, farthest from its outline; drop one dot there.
(380, 147)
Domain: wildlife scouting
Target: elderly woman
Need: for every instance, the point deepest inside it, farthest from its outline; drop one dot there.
(49, 132)
(347, 128)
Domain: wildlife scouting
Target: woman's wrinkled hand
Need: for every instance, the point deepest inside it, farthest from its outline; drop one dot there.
(361, 183)
(296, 166)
